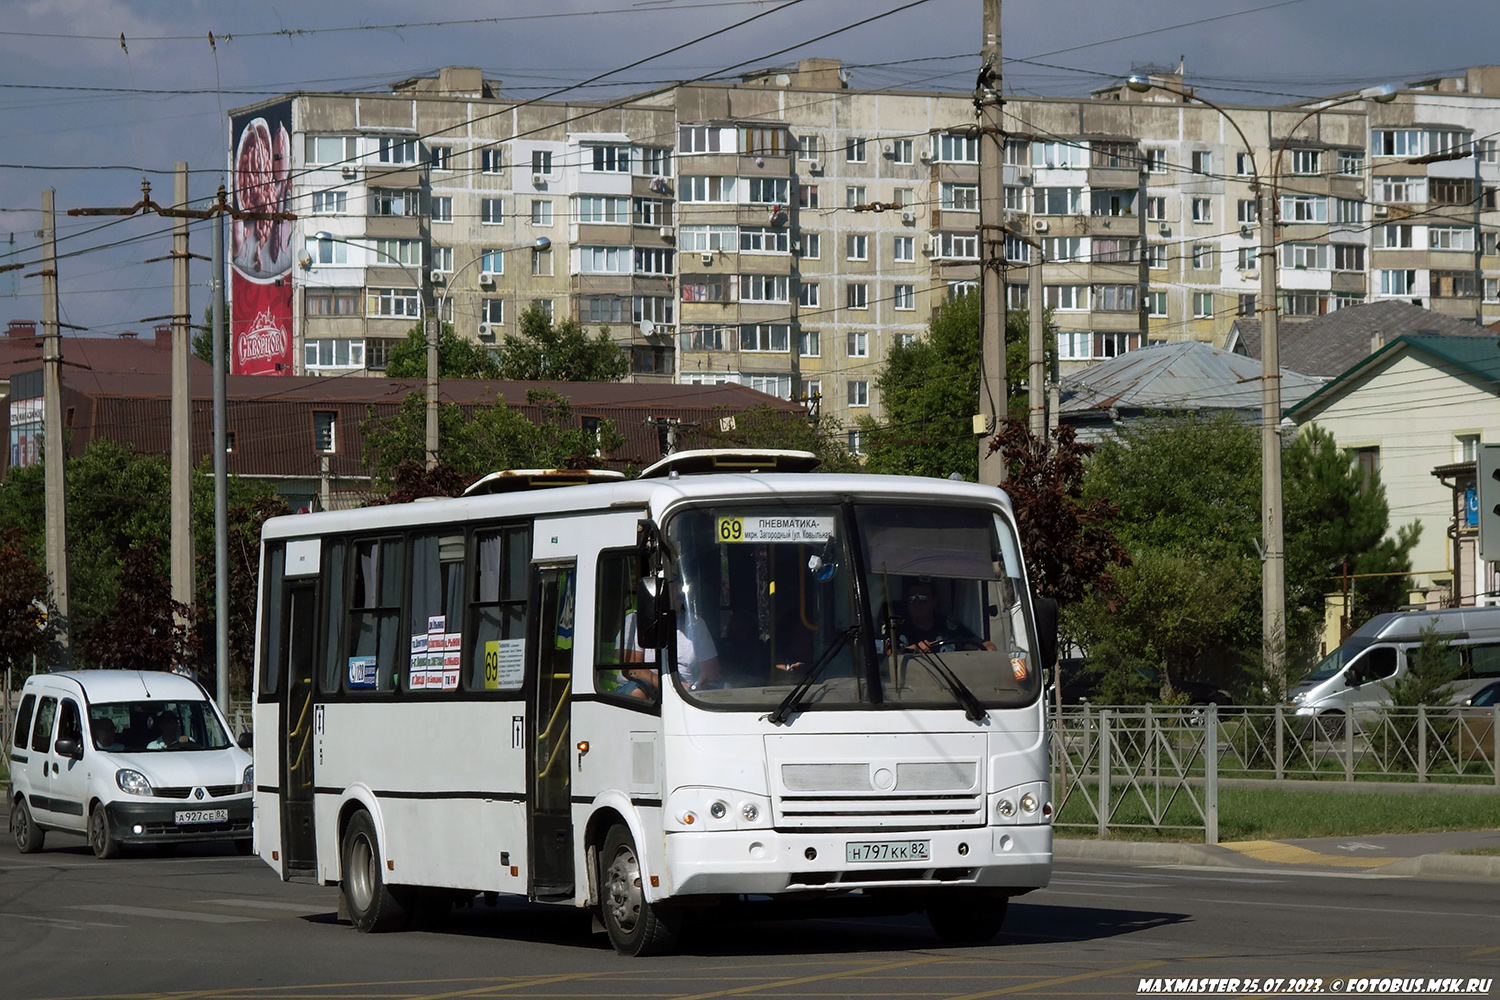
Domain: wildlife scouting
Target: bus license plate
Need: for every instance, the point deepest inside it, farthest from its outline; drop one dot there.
(187, 816)
(887, 850)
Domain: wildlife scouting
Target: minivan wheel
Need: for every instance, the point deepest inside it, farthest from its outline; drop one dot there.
(1331, 725)
(101, 835)
(29, 836)
(373, 905)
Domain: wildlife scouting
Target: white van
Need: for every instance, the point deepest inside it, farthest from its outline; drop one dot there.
(1353, 677)
(125, 757)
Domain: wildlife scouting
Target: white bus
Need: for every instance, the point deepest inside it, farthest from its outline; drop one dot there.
(643, 697)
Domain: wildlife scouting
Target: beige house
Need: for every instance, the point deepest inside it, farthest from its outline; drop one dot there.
(1422, 402)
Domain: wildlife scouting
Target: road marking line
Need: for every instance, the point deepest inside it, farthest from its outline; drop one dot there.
(71, 924)
(1357, 909)
(147, 911)
(268, 904)
(1275, 852)
(1363, 876)
(1061, 980)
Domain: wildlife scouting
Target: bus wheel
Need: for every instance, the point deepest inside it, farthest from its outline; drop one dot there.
(635, 926)
(29, 836)
(101, 837)
(373, 907)
(967, 919)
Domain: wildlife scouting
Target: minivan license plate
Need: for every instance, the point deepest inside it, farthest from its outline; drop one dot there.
(187, 816)
(887, 850)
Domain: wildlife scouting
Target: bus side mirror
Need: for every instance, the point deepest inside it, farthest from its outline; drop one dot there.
(651, 609)
(1045, 610)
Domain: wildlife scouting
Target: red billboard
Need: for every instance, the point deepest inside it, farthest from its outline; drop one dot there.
(260, 330)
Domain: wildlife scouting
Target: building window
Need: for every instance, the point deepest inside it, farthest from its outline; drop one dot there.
(325, 431)
(329, 202)
(1156, 161)
(858, 345)
(604, 260)
(541, 266)
(653, 260)
(905, 298)
(765, 337)
(763, 239)
(809, 344)
(442, 208)
(952, 148)
(967, 286)
(333, 301)
(653, 308)
(706, 189)
(394, 150)
(764, 287)
(1203, 305)
(807, 294)
(905, 339)
(1112, 250)
(1017, 250)
(333, 352)
(707, 239)
(1203, 161)
(705, 337)
(1203, 210)
(392, 302)
(492, 261)
(960, 197)
(1452, 284)
(1244, 258)
(601, 209)
(770, 190)
(859, 393)
(1398, 282)
(656, 161)
(386, 201)
(698, 139)
(1017, 298)
(1156, 209)
(1114, 298)
(1017, 152)
(545, 305)
(328, 251)
(440, 157)
(1399, 190)
(1156, 256)
(857, 247)
(649, 211)
(1450, 238)
(610, 159)
(1466, 447)
(1058, 200)
(491, 211)
(812, 246)
(1398, 142)
(1066, 298)
(1156, 304)
(1348, 210)
(492, 311)
(1057, 154)
(1246, 211)
(541, 161)
(1246, 305)
(856, 442)
(854, 195)
(901, 151)
(331, 149)
(959, 246)
(1348, 257)
(1305, 303)
(904, 248)
(1393, 237)
(603, 309)
(1304, 208)
(1351, 161)
(854, 150)
(705, 288)
(1305, 256)
(1113, 154)
(856, 295)
(808, 147)
(1306, 161)
(541, 211)
(1203, 256)
(442, 259)
(807, 196)
(1367, 460)
(404, 252)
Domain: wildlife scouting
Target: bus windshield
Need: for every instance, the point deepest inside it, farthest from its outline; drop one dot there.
(767, 598)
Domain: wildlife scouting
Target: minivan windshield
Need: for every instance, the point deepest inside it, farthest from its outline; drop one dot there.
(1338, 659)
(156, 726)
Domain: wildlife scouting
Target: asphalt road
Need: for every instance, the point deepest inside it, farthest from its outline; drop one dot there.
(201, 922)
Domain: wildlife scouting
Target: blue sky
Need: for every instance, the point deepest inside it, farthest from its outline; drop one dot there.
(1251, 51)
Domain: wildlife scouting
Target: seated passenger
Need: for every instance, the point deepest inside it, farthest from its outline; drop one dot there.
(170, 733)
(105, 737)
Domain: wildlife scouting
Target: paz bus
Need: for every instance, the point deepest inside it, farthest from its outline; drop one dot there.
(731, 677)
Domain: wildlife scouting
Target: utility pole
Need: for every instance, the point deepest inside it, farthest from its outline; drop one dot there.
(54, 456)
(1036, 375)
(992, 385)
(221, 474)
(1273, 577)
(182, 429)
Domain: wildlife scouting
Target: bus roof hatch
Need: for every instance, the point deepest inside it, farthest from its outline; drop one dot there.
(687, 463)
(520, 480)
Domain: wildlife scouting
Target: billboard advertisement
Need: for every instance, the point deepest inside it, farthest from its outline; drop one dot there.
(260, 279)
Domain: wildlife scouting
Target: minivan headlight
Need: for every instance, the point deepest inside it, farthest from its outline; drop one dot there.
(247, 783)
(133, 782)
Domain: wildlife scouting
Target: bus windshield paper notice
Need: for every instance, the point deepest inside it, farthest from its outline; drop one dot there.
(775, 528)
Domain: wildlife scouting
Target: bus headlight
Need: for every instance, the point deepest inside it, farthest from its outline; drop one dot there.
(1005, 808)
(718, 810)
(750, 811)
(1028, 803)
(133, 782)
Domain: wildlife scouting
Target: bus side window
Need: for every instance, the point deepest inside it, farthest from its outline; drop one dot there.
(621, 667)
(334, 611)
(1377, 663)
(23, 721)
(374, 616)
(436, 622)
(497, 610)
(270, 643)
(1484, 662)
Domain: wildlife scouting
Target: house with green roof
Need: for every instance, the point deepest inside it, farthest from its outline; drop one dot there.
(1417, 410)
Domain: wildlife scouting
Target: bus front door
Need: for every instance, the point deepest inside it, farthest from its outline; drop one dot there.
(298, 640)
(553, 617)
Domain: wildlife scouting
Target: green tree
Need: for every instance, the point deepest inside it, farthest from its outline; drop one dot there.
(497, 437)
(930, 392)
(203, 338)
(28, 619)
(458, 357)
(560, 352)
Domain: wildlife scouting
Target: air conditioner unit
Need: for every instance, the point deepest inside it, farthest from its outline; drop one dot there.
(932, 246)
(350, 173)
(908, 218)
(926, 157)
(538, 180)
(1024, 180)
(1246, 232)
(815, 166)
(707, 258)
(666, 233)
(1251, 275)
(487, 331)
(1380, 211)
(1164, 228)
(437, 277)
(1040, 225)
(887, 151)
(487, 279)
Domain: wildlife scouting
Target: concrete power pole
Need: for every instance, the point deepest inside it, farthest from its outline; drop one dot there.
(54, 456)
(182, 428)
(992, 384)
(221, 476)
(1273, 578)
(1036, 371)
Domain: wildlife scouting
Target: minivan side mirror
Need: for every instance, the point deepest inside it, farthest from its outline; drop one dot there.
(69, 748)
(246, 741)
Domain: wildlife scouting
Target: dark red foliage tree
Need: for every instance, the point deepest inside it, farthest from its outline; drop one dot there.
(146, 629)
(24, 632)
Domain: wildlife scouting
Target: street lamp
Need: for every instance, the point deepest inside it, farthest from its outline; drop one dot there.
(1273, 576)
(429, 333)
(540, 243)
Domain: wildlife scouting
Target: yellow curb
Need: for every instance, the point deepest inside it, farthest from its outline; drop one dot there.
(1290, 854)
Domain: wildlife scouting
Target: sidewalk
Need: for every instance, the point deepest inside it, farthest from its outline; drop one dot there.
(1385, 854)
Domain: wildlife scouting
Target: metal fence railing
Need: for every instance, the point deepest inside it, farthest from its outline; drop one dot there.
(1153, 767)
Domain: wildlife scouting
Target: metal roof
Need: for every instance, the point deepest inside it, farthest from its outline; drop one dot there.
(1329, 345)
(1182, 376)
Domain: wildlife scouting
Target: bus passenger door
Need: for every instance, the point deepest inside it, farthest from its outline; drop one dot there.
(298, 644)
(553, 619)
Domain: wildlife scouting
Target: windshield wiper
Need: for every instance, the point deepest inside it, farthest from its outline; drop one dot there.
(973, 710)
(794, 696)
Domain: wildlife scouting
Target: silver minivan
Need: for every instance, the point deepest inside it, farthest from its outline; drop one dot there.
(125, 756)
(1353, 677)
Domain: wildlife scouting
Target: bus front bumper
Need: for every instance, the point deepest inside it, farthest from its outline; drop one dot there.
(771, 862)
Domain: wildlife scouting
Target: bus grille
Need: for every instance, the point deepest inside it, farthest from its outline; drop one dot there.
(888, 812)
